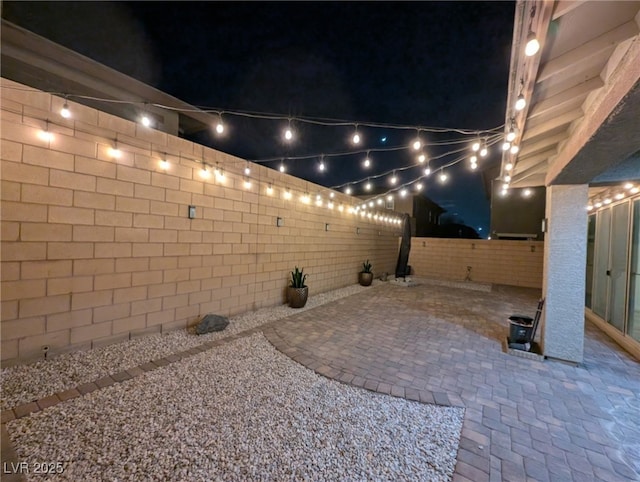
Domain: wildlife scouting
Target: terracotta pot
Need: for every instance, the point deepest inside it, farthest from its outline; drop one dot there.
(297, 297)
(365, 279)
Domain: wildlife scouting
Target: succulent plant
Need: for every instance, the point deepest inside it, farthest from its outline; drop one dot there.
(298, 278)
(366, 267)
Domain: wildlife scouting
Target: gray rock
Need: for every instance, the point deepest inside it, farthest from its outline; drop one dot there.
(212, 323)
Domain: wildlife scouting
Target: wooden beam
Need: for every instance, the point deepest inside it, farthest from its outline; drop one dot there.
(554, 123)
(563, 7)
(527, 162)
(606, 42)
(530, 148)
(572, 97)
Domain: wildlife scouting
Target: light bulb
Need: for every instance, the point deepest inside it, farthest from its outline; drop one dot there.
(504, 192)
(330, 205)
(371, 204)
(393, 179)
(483, 151)
(318, 202)
(590, 207)
(634, 190)
(508, 166)
(527, 192)
(288, 134)
(220, 175)
(46, 136)
(247, 170)
(321, 166)
(403, 192)
(505, 186)
(473, 159)
(506, 145)
(532, 46)
(390, 197)
(367, 162)
(247, 184)
(607, 201)
(507, 178)
(511, 135)
(287, 194)
(598, 204)
(514, 149)
(204, 173)
(65, 112)
(628, 186)
(367, 186)
(347, 191)
(475, 147)
(619, 196)
(115, 152)
(419, 186)
(379, 201)
(474, 166)
(269, 190)
(331, 195)
(417, 144)
(282, 168)
(521, 102)
(220, 127)
(356, 138)
(340, 208)
(164, 164)
(443, 177)
(427, 171)
(422, 158)
(146, 121)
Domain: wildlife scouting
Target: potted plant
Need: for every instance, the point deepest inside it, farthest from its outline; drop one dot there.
(365, 277)
(297, 292)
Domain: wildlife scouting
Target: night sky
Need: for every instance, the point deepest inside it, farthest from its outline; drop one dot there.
(438, 64)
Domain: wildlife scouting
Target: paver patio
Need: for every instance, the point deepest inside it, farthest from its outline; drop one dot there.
(525, 419)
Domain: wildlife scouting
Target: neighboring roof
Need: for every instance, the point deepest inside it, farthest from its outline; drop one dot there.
(40, 63)
(582, 89)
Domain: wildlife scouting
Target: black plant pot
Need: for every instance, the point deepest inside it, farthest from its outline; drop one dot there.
(365, 279)
(297, 297)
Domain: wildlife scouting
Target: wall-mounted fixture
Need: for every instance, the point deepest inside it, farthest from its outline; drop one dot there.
(279, 222)
(357, 230)
(326, 227)
(192, 212)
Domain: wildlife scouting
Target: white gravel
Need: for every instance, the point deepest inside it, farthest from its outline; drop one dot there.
(241, 411)
(26, 383)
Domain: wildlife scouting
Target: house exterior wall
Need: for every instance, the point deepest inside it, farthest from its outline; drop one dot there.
(516, 263)
(96, 249)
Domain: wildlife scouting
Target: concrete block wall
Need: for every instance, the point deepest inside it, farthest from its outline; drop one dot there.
(515, 263)
(96, 249)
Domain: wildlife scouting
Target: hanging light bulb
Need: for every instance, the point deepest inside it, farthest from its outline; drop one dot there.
(532, 46)
(219, 125)
(473, 159)
(330, 205)
(474, 166)
(422, 158)
(367, 186)
(484, 150)
(371, 204)
(508, 166)
(348, 190)
(114, 151)
(443, 177)
(247, 183)
(506, 145)
(475, 147)
(269, 189)
(287, 194)
(282, 167)
(589, 207)
(356, 136)
(341, 207)
(390, 197)
(379, 201)
(367, 161)
(521, 102)
(507, 178)
(598, 204)
(403, 193)
(288, 132)
(427, 171)
(511, 135)
(321, 166)
(419, 186)
(164, 164)
(619, 196)
(65, 112)
(628, 186)
(247, 169)
(204, 172)
(332, 195)
(514, 149)
(394, 178)
(145, 120)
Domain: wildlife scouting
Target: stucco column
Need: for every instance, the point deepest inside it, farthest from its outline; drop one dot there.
(565, 251)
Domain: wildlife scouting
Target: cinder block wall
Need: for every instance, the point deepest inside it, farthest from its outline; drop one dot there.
(516, 263)
(97, 249)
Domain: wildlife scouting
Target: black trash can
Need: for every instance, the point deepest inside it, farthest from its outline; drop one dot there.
(520, 329)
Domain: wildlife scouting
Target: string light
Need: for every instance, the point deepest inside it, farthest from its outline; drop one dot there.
(145, 120)
(356, 136)
(443, 177)
(521, 103)
(65, 112)
(506, 145)
(403, 193)
(390, 197)
(422, 158)
(508, 166)
(269, 189)
(367, 186)
(514, 149)
(527, 193)
(114, 151)
(247, 183)
(348, 191)
(204, 171)
(379, 201)
(484, 151)
(367, 162)
(287, 194)
(282, 167)
(288, 133)
(419, 186)
(473, 159)
(164, 164)
(427, 171)
(220, 125)
(321, 166)
(532, 46)
(475, 147)
(394, 178)
(507, 178)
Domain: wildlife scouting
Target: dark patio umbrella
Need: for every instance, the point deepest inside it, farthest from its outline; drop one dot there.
(405, 247)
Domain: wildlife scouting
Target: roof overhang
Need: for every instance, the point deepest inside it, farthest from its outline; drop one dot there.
(32, 60)
(582, 88)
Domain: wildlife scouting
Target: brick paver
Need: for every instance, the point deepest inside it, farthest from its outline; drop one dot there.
(534, 420)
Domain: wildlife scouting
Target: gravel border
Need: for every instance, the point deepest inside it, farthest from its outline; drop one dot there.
(241, 411)
(26, 383)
